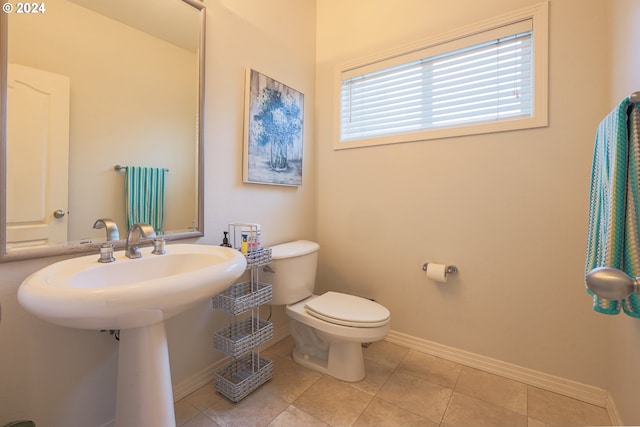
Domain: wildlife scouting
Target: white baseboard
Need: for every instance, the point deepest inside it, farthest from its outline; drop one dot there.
(612, 410)
(586, 393)
(583, 392)
(199, 379)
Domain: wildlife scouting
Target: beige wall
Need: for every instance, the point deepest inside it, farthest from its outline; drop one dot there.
(509, 209)
(277, 39)
(624, 332)
(61, 377)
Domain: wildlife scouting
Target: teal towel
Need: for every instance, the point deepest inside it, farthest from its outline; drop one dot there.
(144, 188)
(614, 203)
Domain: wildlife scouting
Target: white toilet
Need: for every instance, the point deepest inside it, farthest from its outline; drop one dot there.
(328, 329)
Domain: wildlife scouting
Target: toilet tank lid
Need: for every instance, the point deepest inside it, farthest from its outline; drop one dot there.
(294, 249)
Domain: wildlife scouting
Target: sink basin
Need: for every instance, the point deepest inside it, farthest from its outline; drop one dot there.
(135, 296)
(129, 293)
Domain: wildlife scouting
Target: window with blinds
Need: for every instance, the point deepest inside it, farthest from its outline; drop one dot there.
(477, 83)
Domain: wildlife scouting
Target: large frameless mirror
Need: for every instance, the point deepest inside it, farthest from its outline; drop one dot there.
(86, 86)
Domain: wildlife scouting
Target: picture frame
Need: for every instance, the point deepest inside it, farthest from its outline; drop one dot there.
(273, 132)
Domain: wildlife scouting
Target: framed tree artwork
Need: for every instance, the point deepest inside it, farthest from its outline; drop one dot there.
(273, 125)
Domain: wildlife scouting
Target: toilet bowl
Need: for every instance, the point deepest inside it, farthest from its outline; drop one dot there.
(334, 345)
(328, 329)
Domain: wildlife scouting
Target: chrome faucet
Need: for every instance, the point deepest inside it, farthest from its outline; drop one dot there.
(137, 230)
(110, 225)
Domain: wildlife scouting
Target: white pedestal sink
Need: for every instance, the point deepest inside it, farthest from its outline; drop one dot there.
(135, 296)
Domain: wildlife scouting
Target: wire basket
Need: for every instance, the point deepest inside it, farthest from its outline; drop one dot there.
(242, 376)
(258, 258)
(242, 336)
(242, 296)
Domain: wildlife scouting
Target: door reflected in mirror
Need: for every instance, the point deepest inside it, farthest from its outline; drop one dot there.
(91, 84)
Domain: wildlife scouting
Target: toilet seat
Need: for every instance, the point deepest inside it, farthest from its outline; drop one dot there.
(348, 310)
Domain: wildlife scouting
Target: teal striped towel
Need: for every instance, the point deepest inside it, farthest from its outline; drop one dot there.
(144, 193)
(614, 203)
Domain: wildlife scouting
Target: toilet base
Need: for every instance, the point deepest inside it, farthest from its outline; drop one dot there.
(344, 362)
(327, 347)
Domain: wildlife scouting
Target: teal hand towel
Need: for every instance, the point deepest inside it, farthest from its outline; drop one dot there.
(614, 203)
(145, 188)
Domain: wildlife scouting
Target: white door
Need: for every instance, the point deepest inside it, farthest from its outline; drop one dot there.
(37, 157)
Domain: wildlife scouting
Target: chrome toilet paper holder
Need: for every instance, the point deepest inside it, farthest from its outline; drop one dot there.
(450, 269)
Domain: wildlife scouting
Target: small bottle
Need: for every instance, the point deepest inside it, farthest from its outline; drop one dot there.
(244, 246)
(225, 240)
(254, 236)
(257, 240)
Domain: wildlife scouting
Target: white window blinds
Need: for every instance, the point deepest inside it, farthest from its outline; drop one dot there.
(481, 78)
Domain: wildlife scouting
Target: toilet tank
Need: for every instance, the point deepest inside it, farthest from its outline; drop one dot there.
(293, 271)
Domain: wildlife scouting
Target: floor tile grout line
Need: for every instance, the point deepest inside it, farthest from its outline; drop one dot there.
(195, 415)
(453, 390)
(302, 410)
(447, 407)
(395, 369)
(479, 398)
(290, 358)
(374, 394)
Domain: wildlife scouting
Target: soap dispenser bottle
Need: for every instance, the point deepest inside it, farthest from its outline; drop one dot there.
(225, 240)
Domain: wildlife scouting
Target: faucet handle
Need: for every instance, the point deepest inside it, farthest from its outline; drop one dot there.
(106, 253)
(159, 246)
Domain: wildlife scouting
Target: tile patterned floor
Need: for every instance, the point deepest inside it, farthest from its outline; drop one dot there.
(403, 388)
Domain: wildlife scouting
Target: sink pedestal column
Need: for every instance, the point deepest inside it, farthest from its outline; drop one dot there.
(145, 395)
